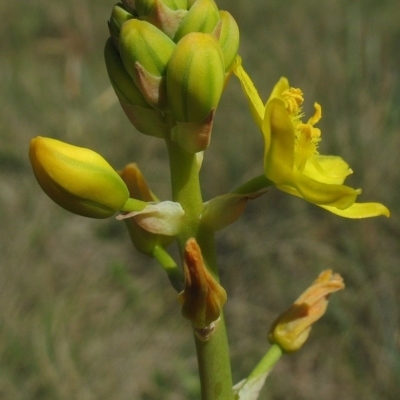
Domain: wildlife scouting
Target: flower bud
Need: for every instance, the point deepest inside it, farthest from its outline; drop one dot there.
(166, 16)
(227, 32)
(129, 5)
(291, 329)
(142, 116)
(144, 7)
(195, 77)
(143, 43)
(77, 179)
(203, 297)
(203, 16)
(145, 52)
(123, 84)
(195, 80)
(118, 16)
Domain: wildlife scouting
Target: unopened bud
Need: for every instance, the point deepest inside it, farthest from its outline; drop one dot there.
(118, 16)
(203, 16)
(165, 15)
(77, 179)
(144, 7)
(122, 82)
(145, 52)
(129, 5)
(291, 329)
(203, 297)
(228, 38)
(141, 42)
(195, 80)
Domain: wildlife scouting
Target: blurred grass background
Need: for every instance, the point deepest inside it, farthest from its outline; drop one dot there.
(83, 316)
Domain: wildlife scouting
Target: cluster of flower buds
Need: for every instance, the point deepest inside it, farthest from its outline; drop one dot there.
(168, 61)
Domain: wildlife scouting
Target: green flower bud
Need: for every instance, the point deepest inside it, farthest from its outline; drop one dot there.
(195, 77)
(129, 5)
(118, 16)
(228, 37)
(144, 7)
(145, 52)
(141, 42)
(77, 179)
(203, 16)
(165, 15)
(121, 81)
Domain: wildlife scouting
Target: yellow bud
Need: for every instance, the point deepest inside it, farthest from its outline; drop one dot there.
(77, 179)
(195, 77)
(203, 16)
(228, 38)
(141, 42)
(122, 82)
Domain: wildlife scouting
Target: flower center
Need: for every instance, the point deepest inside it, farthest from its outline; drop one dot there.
(307, 136)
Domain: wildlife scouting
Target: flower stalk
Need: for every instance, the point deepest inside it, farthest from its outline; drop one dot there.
(212, 355)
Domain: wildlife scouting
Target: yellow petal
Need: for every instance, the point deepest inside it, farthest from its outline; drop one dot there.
(319, 193)
(279, 139)
(279, 88)
(327, 169)
(255, 102)
(360, 210)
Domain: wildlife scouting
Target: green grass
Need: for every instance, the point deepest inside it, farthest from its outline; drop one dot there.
(83, 316)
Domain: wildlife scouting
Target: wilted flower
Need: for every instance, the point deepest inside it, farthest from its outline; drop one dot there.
(203, 297)
(291, 329)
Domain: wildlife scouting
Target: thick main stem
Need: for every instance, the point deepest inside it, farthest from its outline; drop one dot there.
(213, 355)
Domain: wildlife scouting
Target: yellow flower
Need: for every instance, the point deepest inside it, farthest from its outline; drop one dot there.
(291, 158)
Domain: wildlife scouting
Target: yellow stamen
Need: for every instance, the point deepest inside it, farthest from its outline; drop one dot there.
(317, 115)
(294, 99)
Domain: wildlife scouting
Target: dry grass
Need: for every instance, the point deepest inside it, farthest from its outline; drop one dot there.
(82, 316)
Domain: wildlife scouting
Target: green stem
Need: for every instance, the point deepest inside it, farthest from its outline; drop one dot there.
(134, 205)
(256, 184)
(213, 355)
(267, 362)
(169, 266)
(253, 384)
